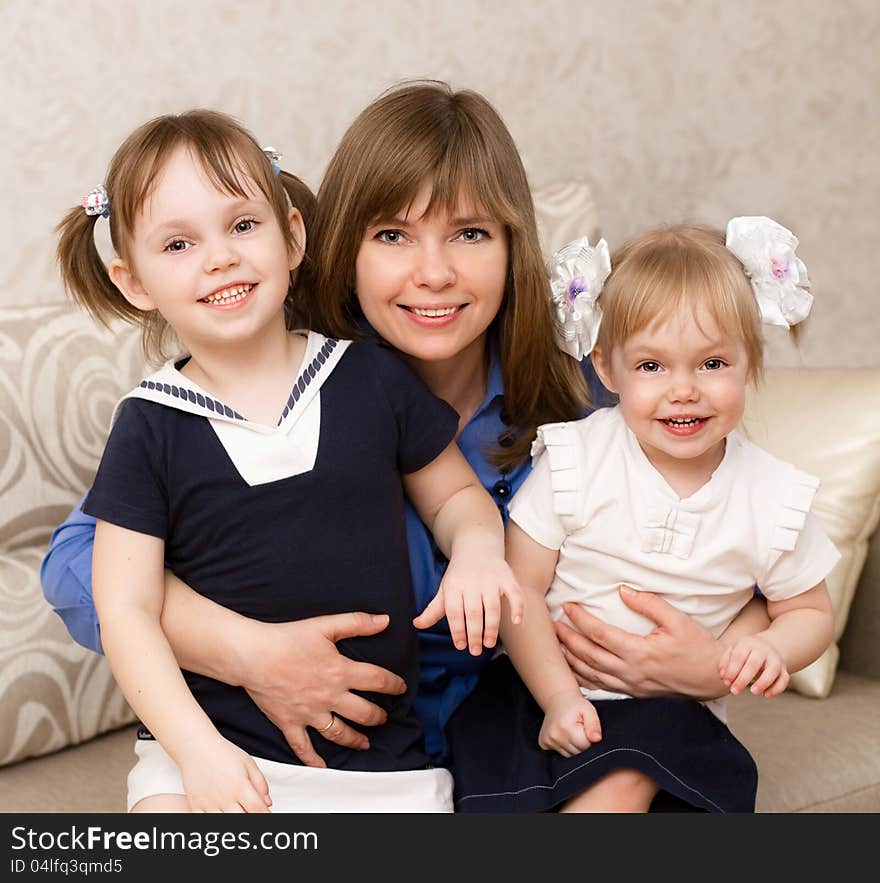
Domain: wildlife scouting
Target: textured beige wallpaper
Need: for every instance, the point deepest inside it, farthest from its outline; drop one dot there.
(671, 109)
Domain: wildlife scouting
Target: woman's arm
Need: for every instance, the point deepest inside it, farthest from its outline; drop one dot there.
(292, 670)
(66, 577)
(679, 657)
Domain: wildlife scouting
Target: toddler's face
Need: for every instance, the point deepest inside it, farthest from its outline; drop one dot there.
(682, 387)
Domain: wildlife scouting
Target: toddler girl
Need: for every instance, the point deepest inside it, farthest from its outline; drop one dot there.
(264, 468)
(659, 492)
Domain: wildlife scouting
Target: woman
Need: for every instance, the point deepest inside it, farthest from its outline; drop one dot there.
(424, 235)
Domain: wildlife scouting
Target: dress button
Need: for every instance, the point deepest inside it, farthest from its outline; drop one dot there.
(506, 439)
(501, 489)
(505, 417)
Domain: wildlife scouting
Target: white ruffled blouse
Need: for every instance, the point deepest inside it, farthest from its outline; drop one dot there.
(595, 497)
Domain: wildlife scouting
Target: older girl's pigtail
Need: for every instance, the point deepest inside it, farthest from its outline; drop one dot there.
(83, 272)
(301, 198)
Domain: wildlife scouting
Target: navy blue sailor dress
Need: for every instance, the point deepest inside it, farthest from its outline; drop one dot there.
(283, 523)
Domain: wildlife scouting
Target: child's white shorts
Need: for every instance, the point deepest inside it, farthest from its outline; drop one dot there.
(305, 789)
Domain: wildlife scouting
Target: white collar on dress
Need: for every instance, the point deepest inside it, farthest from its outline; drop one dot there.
(169, 387)
(261, 454)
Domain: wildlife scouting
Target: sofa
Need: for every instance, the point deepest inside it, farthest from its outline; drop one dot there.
(66, 733)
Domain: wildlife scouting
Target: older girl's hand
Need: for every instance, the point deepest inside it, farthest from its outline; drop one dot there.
(220, 777)
(297, 677)
(678, 657)
(470, 597)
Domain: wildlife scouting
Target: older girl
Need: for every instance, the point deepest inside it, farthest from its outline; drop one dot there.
(264, 467)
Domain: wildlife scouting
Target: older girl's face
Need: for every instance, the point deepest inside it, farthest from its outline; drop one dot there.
(431, 286)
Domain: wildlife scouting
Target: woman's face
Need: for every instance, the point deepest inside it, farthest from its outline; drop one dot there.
(431, 286)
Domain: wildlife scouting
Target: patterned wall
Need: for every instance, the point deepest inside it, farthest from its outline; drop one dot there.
(671, 109)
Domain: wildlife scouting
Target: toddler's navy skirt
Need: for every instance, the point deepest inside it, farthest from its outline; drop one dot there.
(499, 767)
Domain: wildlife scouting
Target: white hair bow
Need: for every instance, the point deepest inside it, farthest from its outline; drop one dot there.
(577, 273)
(778, 276)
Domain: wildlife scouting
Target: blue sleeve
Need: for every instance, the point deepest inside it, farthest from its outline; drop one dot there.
(66, 576)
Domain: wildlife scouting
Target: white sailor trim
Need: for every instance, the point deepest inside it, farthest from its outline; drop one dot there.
(321, 357)
(260, 453)
(307, 375)
(215, 406)
(169, 387)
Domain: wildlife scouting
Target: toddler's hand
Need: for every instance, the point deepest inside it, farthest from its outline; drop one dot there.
(754, 660)
(220, 777)
(470, 596)
(571, 724)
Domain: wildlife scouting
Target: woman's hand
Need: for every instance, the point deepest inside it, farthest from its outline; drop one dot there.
(295, 674)
(678, 657)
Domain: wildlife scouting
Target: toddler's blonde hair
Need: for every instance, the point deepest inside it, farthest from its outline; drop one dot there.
(657, 274)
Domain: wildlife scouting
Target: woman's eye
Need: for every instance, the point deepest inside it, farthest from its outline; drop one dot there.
(473, 234)
(245, 225)
(649, 367)
(177, 245)
(392, 237)
(714, 364)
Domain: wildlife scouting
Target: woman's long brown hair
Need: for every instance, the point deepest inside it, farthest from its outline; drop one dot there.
(425, 130)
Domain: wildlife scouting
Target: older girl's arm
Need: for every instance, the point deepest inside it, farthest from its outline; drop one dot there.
(128, 590)
(468, 529)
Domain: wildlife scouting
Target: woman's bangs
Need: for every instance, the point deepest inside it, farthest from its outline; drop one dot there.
(460, 182)
(464, 177)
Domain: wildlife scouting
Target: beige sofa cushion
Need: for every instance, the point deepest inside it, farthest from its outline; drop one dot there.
(828, 424)
(60, 376)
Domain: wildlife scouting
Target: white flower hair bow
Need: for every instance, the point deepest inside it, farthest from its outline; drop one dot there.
(577, 273)
(779, 277)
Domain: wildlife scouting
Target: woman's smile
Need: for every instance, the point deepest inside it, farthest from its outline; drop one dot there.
(433, 316)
